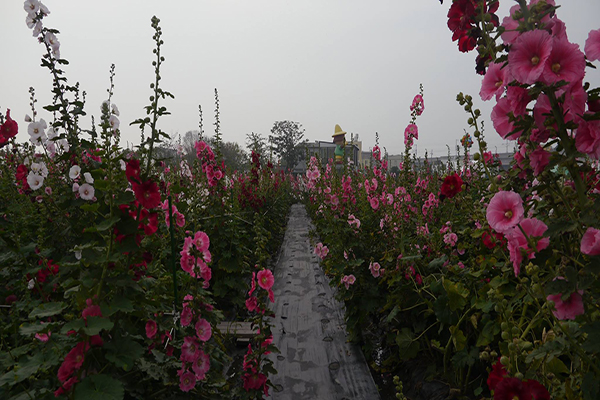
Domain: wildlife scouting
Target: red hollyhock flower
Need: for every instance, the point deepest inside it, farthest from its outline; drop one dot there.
(497, 375)
(8, 129)
(21, 172)
(516, 389)
(73, 361)
(451, 186)
(147, 194)
(133, 171)
(254, 381)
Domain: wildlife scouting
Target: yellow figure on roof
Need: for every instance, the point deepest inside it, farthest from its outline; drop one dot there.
(339, 139)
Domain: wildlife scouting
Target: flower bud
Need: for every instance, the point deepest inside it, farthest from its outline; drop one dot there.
(504, 360)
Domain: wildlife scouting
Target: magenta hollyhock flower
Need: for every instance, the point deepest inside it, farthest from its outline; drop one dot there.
(187, 263)
(528, 55)
(189, 349)
(504, 211)
(186, 316)
(518, 98)
(566, 63)
(187, 381)
(73, 361)
(251, 303)
(253, 283)
(271, 295)
(151, 329)
(8, 129)
(501, 120)
(494, 82)
(592, 45)
(418, 105)
(567, 309)
(533, 228)
(147, 194)
(411, 130)
(265, 279)
(91, 310)
(254, 381)
(575, 101)
(590, 243)
(201, 241)
(375, 268)
(587, 138)
(201, 366)
(510, 25)
(43, 337)
(539, 159)
(203, 330)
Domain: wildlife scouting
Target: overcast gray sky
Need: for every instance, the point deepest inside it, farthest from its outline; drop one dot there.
(319, 62)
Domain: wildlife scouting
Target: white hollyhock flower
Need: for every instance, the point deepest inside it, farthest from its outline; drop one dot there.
(114, 110)
(30, 284)
(114, 122)
(37, 29)
(88, 177)
(123, 165)
(74, 172)
(28, 118)
(62, 145)
(75, 187)
(34, 180)
(44, 9)
(31, 6)
(30, 20)
(37, 128)
(86, 191)
(40, 169)
(51, 133)
(52, 41)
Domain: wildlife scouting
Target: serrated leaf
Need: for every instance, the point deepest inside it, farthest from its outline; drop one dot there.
(123, 352)
(119, 303)
(108, 223)
(74, 325)
(99, 387)
(47, 310)
(90, 207)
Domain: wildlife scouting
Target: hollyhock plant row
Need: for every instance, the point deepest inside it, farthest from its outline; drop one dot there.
(118, 267)
(483, 278)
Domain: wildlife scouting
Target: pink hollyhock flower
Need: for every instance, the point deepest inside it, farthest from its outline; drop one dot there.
(151, 329)
(566, 63)
(528, 55)
(575, 100)
(187, 381)
(374, 201)
(418, 105)
(450, 239)
(501, 120)
(539, 159)
(569, 308)
(91, 310)
(411, 131)
(201, 366)
(587, 138)
(271, 295)
(186, 316)
(494, 82)
(201, 241)
(43, 337)
(592, 45)
(533, 228)
(203, 330)
(251, 303)
(375, 268)
(518, 99)
(504, 211)
(418, 279)
(253, 288)
(187, 263)
(265, 279)
(189, 349)
(590, 243)
(66, 386)
(510, 25)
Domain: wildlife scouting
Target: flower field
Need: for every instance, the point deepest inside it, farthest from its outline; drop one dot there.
(118, 264)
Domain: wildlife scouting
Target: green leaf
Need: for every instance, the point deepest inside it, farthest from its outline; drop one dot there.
(490, 329)
(99, 387)
(107, 223)
(74, 325)
(90, 207)
(392, 314)
(592, 343)
(101, 184)
(123, 352)
(457, 294)
(96, 324)
(30, 329)
(407, 346)
(590, 387)
(556, 366)
(119, 303)
(458, 338)
(47, 310)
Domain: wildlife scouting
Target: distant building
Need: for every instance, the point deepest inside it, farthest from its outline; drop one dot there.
(325, 151)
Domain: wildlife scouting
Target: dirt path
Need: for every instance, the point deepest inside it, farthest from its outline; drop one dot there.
(315, 360)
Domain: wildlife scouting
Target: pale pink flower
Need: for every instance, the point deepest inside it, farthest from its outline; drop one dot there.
(34, 180)
(592, 45)
(566, 63)
(186, 316)
(528, 55)
(494, 82)
(187, 381)
(321, 250)
(265, 279)
(590, 243)
(504, 211)
(48, 190)
(86, 191)
(374, 201)
(43, 337)
(251, 303)
(203, 330)
(151, 329)
(450, 239)
(569, 308)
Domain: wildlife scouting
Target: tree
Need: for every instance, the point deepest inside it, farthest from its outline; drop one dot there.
(286, 142)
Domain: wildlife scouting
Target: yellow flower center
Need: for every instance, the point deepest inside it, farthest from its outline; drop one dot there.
(556, 68)
(535, 60)
(498, 84)
(508, 214)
